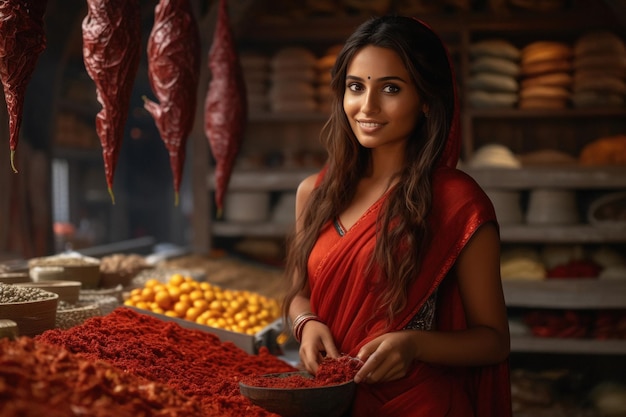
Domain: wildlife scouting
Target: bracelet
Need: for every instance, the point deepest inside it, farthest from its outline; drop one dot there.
(300, 321)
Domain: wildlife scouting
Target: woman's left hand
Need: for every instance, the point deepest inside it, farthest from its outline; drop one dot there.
(388, 357)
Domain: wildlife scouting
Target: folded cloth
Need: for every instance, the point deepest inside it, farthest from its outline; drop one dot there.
(555, 79)
(497, 65)
(546, 67)
(541, 51)
(493, 82)
(599, 42)
(495, 47)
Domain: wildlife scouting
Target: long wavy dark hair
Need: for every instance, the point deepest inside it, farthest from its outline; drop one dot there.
(401, 225)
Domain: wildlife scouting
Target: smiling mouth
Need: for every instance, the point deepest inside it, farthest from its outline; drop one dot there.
(368, 124)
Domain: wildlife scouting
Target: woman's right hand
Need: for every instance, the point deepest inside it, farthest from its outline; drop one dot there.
(316, 343)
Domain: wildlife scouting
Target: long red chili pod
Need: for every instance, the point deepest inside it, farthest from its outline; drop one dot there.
(111, 52)
(173, 70)
(225, 110)
(22, 40)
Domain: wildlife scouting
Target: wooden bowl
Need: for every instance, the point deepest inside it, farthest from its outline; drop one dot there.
(85, 270)
(32, 317)
(68, 291)
(327, 401)
(14, 277)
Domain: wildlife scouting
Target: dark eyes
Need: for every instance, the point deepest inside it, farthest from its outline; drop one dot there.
(387, 88)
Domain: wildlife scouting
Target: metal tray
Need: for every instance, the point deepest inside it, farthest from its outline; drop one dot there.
(266, 337)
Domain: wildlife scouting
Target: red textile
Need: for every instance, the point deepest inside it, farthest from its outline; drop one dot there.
(344, 296)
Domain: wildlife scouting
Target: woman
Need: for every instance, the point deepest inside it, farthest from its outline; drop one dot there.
(395, 259)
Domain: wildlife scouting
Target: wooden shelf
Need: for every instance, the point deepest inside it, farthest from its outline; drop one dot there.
(581, 234)
(518, 234)
(584, 114)
(264, 180)
(333, 29)
(572, 293)
(574, 177)
(296, 117)
(529, 344)
(515, 179)
(269, 230)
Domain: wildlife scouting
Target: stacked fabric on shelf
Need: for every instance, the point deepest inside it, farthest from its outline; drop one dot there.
(324, 67)
(256, 74)
(599, 70)
(546, 75)
(494, 70)
(293, 79)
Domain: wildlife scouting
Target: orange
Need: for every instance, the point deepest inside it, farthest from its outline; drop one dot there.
(147, 294)
(209, 295)
(216, 306)
(201, 305)
(174, 293)
(186, 287)
(176, 279)
(201, 320)
(196, 295)
(180, 308)
(163, 299)
(151, 283)
(192, 313)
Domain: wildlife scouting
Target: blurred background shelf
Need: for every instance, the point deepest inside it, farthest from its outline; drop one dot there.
(577, 293)
(567, 346)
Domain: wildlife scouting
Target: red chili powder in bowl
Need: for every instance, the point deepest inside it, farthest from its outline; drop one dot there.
(330, 372)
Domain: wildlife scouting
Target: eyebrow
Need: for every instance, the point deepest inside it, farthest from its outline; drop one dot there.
(389, 78)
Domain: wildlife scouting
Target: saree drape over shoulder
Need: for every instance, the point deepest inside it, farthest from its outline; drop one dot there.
(345, 296)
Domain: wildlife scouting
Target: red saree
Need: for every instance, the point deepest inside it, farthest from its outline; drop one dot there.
(344, 296)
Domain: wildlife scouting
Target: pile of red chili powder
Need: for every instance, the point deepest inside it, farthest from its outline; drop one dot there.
(192, 362)
(330, 372)
(37, 379)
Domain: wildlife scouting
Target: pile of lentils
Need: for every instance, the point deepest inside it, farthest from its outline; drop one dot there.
(16, 294)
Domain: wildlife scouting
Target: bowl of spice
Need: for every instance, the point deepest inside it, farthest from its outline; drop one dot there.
(68, 291)
(66, 267)
(14, 277)
(32, 309)
(328, 393)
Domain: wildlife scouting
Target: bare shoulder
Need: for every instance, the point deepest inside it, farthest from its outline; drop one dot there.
(305, 188)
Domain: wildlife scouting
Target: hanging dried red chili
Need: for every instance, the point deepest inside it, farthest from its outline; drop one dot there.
(22, 40)
(193, 362)
(173, 69)
(37, 379)
(111, 52)
(226, 107)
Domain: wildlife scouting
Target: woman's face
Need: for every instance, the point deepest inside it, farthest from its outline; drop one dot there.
(381, 101)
